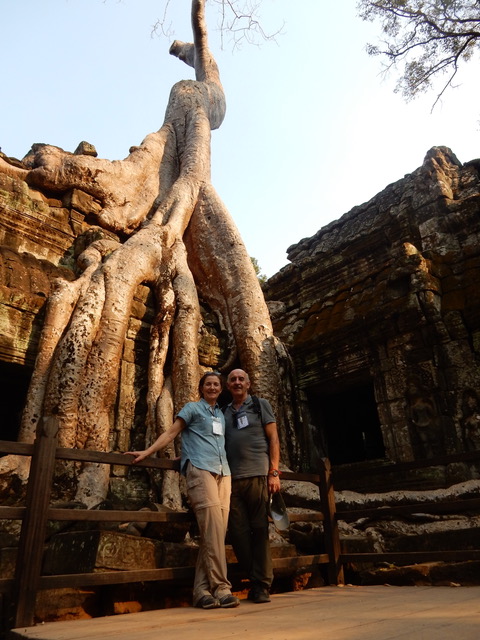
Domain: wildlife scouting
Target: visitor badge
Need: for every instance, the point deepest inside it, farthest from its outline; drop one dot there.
(217, 427)
(242, 420)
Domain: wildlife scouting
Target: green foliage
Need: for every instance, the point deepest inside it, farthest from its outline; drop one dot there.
(430, 38)
(262, 278)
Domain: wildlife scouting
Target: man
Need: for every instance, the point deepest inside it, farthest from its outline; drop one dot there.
(253, 452)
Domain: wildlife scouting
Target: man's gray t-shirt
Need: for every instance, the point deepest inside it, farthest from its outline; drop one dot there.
(245, 440)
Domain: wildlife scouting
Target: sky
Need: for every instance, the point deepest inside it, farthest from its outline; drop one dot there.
(313, 128)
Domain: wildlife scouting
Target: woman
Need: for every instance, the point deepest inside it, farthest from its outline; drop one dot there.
(204, 463)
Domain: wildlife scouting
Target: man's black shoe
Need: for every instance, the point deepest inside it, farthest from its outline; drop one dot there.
(259, 595)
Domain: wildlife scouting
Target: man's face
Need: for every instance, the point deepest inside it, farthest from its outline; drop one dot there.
(238, 384)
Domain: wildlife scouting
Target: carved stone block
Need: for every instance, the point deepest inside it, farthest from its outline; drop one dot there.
(95, 551)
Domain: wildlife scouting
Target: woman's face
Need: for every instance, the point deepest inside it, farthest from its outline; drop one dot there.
(211, 388)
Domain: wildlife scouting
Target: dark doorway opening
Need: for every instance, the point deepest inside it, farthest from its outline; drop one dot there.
(348, 423)
(14, 382)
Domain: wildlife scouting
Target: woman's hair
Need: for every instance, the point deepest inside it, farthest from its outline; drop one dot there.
(207, 375)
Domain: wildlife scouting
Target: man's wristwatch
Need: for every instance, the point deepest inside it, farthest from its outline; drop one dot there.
(274, 472)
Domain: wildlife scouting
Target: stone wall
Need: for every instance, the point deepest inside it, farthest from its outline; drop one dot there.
(381, 313)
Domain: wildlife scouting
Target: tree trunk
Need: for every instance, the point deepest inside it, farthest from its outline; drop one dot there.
(179, 239)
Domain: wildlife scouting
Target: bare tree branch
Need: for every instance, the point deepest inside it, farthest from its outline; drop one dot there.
(238, 21)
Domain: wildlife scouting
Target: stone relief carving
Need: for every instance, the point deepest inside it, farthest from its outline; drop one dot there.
(471, 420)
(426, 429)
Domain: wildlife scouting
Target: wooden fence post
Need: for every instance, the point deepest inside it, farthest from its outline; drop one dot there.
(32, 535)
(330, 524)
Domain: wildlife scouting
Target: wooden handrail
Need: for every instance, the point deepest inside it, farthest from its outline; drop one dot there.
(104, 515)
(16, 448)
(412, 557)
(376, 467)
(37, 512)
(447, 506)
(88, 455)
(165, 573)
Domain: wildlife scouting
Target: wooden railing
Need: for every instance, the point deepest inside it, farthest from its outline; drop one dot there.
(20, 592)
(446, 506)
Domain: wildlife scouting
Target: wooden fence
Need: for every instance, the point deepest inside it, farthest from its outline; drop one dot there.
(20, 592)
(402, 472)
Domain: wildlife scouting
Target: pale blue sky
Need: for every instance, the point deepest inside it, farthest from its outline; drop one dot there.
(311, 129)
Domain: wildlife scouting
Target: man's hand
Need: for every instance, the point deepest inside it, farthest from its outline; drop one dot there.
(273, 484)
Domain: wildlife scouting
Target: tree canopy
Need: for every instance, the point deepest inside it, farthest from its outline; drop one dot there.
(430, 38)
(258, 270)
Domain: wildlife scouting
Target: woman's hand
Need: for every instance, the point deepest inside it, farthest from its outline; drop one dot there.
(160, 443)
(138, 455)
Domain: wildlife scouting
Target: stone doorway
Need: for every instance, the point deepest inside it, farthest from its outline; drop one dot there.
(349, 424)
(14, 382)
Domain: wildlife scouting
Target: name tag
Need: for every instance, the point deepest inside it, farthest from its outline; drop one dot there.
(217, 427)
(241, 420)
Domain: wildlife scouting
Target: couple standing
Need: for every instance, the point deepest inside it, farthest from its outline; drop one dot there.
(243, 444)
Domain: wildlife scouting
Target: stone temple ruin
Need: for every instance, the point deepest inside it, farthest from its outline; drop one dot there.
(380, 312)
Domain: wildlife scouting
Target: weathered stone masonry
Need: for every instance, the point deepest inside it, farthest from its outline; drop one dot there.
(381, 312)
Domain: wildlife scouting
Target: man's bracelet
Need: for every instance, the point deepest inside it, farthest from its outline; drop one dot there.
(274, 472)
